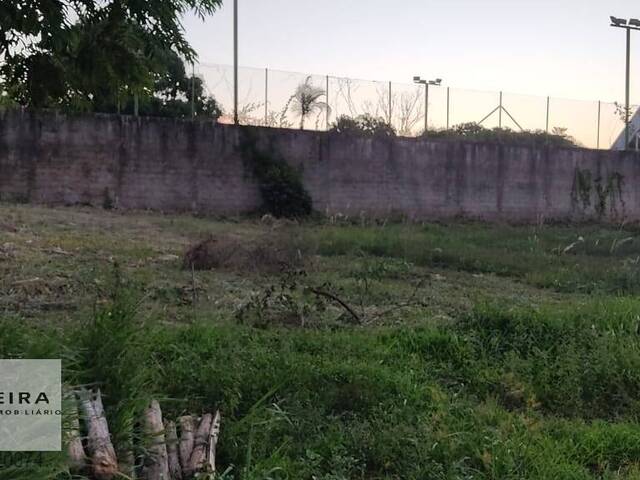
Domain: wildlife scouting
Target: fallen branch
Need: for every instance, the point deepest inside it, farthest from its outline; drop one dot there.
(335, 298)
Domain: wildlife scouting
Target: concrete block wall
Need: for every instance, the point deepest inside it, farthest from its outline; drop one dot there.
(174, 165)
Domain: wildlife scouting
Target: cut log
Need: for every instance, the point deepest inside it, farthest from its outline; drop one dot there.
(198, 459)
(156, 465)
(172, 450)
(75, 450)
(214, 433)
(128, 464)
(104, 463)
(186, 441)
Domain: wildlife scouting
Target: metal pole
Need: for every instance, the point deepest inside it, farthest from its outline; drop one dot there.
(628, 89)
(266, 96)
(235, 62)
(598, 140)
(426, 107)
(389, 103)
(547, 124)
(135, 104)
(193, 90)
(448, 97)
(500, 112)
(327, 113)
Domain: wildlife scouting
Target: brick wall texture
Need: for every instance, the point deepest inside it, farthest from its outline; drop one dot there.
(176, 165)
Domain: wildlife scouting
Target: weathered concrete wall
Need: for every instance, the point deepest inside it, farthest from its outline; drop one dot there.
(172, 165)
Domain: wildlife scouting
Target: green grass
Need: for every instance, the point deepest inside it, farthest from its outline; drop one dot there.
(516, 359)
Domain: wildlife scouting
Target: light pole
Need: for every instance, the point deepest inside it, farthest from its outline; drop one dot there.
(235, 62)
(437, 82)
(632, 24)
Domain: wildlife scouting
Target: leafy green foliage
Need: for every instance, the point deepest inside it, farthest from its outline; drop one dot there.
(95, 56)
(476, 132)
(500, 394)
(283, 193)
(365, 125)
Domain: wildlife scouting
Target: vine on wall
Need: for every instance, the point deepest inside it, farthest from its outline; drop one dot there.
(283, 193)
(607, 192)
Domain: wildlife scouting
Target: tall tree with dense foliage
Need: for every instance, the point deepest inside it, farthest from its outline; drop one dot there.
(91, 55)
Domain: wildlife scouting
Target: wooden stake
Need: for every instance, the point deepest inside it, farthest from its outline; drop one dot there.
(214, 433)
(77, 458)
(199, 454)
(172, 450)
(104, 463)
(186, 441)
(157, 464)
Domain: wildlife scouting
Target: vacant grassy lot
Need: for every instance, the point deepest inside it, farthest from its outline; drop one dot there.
(379, 352)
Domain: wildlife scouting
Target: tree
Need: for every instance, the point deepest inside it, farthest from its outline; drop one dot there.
(306, 100)
(114, 47)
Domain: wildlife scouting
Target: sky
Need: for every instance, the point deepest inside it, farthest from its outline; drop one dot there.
(561, 48)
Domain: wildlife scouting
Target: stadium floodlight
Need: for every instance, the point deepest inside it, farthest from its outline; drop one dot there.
(426, 83)
(236, 119)
(633, 24)
(618, 22)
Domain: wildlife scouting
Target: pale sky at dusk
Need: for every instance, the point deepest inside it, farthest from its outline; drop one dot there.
(562, 48)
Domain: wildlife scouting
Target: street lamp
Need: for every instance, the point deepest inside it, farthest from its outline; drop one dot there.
(235, 62)
(633, 24)
(426, 84)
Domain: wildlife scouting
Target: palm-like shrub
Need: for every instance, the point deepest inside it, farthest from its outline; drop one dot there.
(307, 99)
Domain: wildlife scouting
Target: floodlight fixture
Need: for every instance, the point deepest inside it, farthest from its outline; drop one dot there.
(426, 83)
(633, 24)
(618, 22)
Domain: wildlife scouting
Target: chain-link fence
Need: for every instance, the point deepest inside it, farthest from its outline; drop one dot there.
(275, 98)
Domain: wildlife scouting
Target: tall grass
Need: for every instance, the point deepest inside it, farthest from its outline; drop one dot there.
(504, 393)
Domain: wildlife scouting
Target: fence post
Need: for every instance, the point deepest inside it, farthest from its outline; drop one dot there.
(500, 112)
(448, 97)
(266, 97)
(327, 113)
(193, 90)
(598, 140)
(426, 108)
(547, 123)
(390, 104)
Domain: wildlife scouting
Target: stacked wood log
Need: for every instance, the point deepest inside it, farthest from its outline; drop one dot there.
(171, 453)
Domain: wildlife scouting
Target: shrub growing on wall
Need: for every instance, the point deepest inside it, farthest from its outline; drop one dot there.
(474, 131)
(281, 188)
(366, 125)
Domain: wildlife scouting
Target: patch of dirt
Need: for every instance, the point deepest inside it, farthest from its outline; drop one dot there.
(267, 253)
